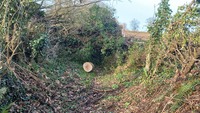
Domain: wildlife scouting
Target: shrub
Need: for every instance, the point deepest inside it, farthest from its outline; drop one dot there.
(99, 36)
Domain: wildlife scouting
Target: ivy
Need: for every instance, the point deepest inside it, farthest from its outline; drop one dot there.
(162, 20)
(101, 33)
(37, 45)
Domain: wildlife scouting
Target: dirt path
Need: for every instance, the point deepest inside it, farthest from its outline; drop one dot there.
(66, 94)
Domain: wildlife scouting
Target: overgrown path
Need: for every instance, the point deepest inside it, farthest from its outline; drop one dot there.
(68, 92)
(75, 91)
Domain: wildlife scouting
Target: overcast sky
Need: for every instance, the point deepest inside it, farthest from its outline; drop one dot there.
(140, 10)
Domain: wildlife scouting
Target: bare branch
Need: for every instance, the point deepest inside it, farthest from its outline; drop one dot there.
(75, 5)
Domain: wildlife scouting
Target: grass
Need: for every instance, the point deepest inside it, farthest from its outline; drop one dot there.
(119, 77)
(113, 98)
(139, 89)
(183, 91)
(154, 89)
(154, 94)
(6, 108)
(55, 69)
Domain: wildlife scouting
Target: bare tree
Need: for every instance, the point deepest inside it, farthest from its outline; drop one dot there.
(150, 21)
(135, 24)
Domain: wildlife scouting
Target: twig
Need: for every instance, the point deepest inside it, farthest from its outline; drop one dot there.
(168, 102)
(81, 5)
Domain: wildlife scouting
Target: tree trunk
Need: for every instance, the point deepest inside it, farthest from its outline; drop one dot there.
(148, 60)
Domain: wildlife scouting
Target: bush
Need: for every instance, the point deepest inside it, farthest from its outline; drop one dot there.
(15, 27)
(102, 35)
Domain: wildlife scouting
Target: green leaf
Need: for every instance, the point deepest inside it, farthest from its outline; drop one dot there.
(2, 92)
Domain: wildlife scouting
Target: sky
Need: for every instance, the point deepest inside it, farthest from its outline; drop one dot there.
(127, 10)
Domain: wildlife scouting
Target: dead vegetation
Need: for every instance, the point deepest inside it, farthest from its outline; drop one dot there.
(31, 81)
(65, 94)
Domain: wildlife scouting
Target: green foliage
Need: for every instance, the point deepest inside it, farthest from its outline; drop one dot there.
(32, 9)
(15, 17)
(11, 13)
(17, 8)
(126, 104)
(14, 90)
(18, 13)
(182, 39)
(2, 92)
(114, 98)
(101, 20)
(115, 86)
(72, 42)
(6, 108)
(161, 21)
(98, 37)
(119, 77)
(183, 92)
(52, 68)
(71, 48)
(156, 30)
(174, 40)
(87, 52)
(38, 45)
(136, 56)
(101, 33)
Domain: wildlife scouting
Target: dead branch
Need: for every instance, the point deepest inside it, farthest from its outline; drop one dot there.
(74, 5)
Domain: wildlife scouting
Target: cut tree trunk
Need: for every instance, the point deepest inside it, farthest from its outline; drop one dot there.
(88, 66)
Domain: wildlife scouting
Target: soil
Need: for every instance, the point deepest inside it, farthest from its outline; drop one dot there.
(66, 94)
(69, 94)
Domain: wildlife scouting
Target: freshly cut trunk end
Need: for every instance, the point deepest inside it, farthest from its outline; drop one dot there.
(88, 66)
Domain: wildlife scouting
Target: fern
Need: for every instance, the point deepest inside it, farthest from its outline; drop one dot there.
(182, 92)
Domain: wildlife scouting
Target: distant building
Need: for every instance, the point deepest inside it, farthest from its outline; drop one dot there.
(136, 35)
(131, 36)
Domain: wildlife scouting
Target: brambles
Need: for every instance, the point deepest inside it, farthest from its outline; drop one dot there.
(176, 44)
(75, 33)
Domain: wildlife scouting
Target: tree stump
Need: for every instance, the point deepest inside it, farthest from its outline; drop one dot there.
(88, 66)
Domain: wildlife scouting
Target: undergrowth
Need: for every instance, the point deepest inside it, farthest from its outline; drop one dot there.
(153, 76)
(182, 92)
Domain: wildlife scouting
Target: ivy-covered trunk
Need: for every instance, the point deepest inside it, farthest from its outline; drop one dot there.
(156, 30)
(177, 44)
